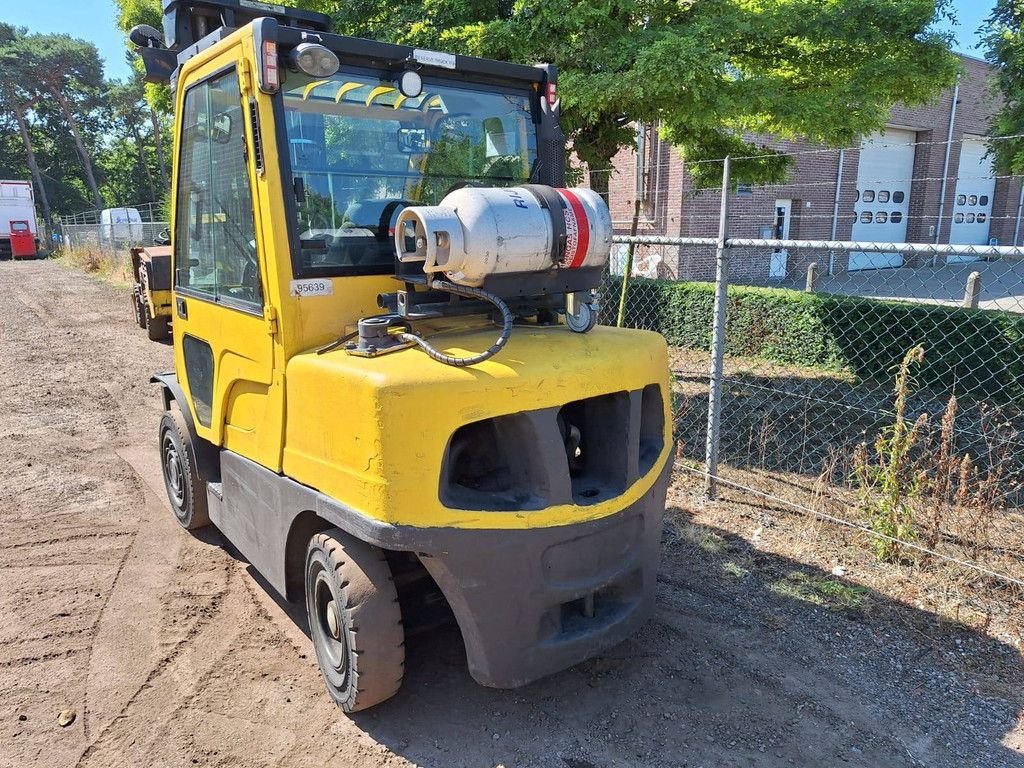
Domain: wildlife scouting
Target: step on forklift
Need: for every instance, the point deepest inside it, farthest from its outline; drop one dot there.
(389, 392)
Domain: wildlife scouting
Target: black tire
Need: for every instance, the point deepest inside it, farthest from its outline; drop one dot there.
(157, 328)
(138, 308)
(185, 491)
(361, 650)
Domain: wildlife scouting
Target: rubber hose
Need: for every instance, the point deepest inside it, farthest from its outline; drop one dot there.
(470, 293)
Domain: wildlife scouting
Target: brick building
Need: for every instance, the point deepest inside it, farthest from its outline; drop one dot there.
(908, 183)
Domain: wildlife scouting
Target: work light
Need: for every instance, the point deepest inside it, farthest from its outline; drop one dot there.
(314, 59)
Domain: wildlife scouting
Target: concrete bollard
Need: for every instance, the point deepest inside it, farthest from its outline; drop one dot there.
(973, 291)
(812, 277)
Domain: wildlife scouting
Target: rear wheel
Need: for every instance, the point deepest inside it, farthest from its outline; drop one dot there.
(354, 620)
(185, 490)
(157, 328)
(138, 308)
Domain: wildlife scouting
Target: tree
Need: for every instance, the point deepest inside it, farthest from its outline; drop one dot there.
(127, 102)
(16, 101)
(711, 73)
(70, 71)
(1003, 34)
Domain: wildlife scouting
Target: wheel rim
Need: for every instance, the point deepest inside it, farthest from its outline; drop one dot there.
(174, 473)
(328, 626)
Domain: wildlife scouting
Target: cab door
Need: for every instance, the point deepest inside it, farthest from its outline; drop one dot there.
(224, 349)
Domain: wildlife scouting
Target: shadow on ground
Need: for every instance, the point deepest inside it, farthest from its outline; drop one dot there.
(752, 659)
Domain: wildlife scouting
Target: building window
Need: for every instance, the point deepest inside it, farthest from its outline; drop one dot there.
(881, 217)
(869, 195)
(982, 218)
(883, 196)
(972, 200)
(744, 189)
(983, 200)
(970, 218)
(866, 217)
(961, 199)
(896, 217)
(897, 197)
(958, 218)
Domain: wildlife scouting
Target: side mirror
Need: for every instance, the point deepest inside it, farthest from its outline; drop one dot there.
(145, 36)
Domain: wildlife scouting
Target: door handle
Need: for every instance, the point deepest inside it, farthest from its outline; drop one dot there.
(181, 307)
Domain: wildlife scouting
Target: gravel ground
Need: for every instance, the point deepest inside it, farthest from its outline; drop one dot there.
(171, 653)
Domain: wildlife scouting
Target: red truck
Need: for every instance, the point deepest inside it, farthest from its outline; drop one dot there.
(19, 233)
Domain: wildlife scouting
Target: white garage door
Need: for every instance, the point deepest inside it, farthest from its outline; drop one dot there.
(975, 188)
(884, 176)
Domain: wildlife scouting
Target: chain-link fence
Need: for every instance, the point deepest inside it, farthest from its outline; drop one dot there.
(113, 228)
(870, 382)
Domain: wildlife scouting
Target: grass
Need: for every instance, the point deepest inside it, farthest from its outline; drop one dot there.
(824, 592)
(111, 266)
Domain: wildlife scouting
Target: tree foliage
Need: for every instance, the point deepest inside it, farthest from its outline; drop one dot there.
(711, 73)
(84, 142)
(1003, 33)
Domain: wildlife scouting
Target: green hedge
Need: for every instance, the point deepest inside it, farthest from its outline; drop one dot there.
(974, 353)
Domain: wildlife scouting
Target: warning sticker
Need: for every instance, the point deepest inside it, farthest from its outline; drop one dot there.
(577, 231)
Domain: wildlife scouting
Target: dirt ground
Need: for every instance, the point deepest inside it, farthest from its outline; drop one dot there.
(171, 652)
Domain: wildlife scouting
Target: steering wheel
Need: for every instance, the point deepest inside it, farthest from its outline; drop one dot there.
(383, 226)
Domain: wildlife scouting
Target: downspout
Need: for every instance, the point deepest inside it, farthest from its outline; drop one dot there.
(835, 211)
(945, 164)
(641, 159)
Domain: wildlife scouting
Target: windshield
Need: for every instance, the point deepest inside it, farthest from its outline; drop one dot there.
(360, 151)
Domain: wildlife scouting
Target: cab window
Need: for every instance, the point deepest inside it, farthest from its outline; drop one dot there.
(215, 236)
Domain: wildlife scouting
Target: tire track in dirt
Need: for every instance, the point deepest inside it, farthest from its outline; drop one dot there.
(66, 539)
(215, 635)
(192, 662)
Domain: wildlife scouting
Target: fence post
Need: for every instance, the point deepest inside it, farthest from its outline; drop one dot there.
(718, 339)
(973, 291)
(812, 277)
(628, 270)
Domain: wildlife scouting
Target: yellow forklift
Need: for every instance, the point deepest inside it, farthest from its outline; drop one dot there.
(151, 288)
(389, 393)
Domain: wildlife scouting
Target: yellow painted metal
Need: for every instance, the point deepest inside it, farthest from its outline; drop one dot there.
(346, 88)
(159, 303)
(371, 433)
(380, 90)
(248, 390)
(312, 87)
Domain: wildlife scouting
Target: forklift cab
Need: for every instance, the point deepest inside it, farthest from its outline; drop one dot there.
(295, 152)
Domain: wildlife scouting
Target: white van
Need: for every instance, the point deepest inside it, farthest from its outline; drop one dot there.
(120, 226)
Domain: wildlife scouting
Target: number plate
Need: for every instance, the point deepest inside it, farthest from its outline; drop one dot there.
(313, 287)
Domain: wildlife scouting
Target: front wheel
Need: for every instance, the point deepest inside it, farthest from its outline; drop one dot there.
(354, 620)
(185, 490)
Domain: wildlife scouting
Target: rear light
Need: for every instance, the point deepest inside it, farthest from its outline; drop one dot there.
(552, 94)
(271, 77)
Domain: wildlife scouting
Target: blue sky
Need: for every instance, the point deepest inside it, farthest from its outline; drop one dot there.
(94, 20)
